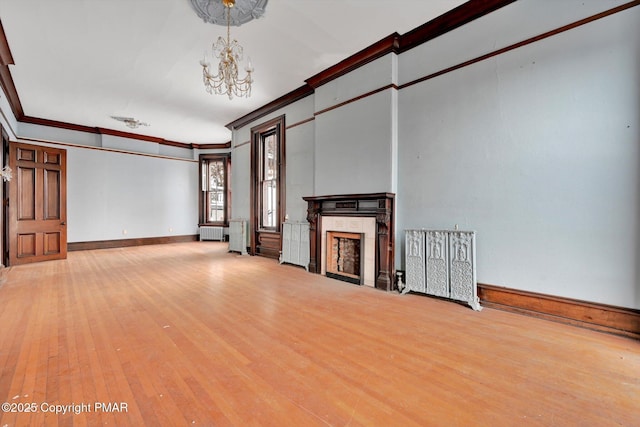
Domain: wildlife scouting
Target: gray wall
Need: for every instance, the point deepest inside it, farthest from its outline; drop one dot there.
(118, 188)
(299, 157)
(113, 193)
(355, 144)
(538, 151)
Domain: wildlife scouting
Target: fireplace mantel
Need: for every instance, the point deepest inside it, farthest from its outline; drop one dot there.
(377, 205)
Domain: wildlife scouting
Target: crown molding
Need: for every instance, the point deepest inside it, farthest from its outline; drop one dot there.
(389, 44)
(289, 98)
(112, 132)
(449, 21)
(393, 43)
(6, 81)
(6, 57)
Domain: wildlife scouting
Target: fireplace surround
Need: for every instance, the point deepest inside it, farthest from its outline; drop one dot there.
(377, 206)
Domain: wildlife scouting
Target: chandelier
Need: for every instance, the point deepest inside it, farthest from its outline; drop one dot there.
(230, 54)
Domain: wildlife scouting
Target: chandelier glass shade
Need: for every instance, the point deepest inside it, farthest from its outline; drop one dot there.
(230, 54)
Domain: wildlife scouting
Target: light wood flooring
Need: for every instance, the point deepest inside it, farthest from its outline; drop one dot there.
(188, 334)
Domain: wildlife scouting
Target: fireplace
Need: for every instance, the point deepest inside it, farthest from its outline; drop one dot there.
(344, 256)
(372, 216)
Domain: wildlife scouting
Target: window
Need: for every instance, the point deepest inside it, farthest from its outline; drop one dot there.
(214, 189)
(267, 187)
(268, 181)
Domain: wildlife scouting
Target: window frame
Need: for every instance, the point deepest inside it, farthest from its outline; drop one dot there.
(203, 194)
(277, 128)
(263, 180)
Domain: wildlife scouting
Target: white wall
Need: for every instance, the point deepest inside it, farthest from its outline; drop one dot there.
(538, 151)
(119, 189)
(110, 193)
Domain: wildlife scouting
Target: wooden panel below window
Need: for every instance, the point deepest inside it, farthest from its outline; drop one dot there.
(268, 244)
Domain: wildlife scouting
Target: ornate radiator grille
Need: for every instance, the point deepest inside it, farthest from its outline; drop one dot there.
(295, 244)
(442, 263)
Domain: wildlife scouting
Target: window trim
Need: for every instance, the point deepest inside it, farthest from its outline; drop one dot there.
(202, 202)
(274, 126)
(262, 179)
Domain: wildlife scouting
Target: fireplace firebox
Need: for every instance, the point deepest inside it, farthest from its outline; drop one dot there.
(345, 256)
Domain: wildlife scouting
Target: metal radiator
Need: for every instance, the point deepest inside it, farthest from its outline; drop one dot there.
(295, 244)
(238, 235)
(211, 233)
(442, 263)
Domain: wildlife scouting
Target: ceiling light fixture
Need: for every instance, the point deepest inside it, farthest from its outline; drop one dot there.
(130, 122)
(230, 54)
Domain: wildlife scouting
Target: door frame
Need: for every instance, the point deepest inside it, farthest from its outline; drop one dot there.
(5, 199)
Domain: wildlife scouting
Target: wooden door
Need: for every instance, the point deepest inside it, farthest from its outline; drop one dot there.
(37, 204)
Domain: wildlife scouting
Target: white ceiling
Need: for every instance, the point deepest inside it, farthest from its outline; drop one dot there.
(82, 61)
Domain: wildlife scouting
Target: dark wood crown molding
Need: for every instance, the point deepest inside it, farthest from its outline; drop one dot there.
(526, 42)
(112, 132)
(6, 81)
(449, 21)
(57, 124)
(147, 138)
(377, 50)
(284, 100)
(6, 57)
(393, 43)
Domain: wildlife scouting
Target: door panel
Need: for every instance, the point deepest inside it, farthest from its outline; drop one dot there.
(37, 204)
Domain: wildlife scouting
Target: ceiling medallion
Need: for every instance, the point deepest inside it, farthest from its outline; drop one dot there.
(215, 11)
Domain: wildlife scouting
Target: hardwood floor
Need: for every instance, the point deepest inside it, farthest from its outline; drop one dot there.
(188, 334)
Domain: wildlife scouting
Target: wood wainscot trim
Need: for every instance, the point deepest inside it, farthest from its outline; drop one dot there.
(590, 315)
(380, 206)
(123, 243)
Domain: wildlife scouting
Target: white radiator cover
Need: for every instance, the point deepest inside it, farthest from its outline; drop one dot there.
(295, 244)
(238, 235)
(211, 233)
(442, 263)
